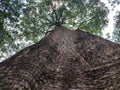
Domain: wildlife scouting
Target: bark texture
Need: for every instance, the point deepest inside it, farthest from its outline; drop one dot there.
(64, 60)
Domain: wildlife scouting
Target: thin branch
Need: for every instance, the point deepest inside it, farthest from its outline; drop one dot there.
(61, 12)
(56, 16)
(46, 33)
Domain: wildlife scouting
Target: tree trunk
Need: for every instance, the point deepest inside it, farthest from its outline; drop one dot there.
(64, 60)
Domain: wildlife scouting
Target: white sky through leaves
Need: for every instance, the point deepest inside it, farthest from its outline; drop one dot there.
(108, 30)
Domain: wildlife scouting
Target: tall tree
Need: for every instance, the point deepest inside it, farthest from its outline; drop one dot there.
(64, 60)
(41, 16)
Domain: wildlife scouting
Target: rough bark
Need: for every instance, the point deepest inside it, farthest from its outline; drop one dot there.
(64, 60)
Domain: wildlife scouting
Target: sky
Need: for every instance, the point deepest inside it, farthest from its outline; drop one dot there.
(110, 27)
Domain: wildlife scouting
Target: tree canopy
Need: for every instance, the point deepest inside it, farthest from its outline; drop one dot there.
(10, 11)
(29, 20)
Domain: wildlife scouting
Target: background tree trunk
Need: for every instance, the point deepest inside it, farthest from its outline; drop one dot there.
(64, 60)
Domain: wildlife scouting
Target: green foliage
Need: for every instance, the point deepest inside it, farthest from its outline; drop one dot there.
(36, 17)
(116, 32)
(10, 11)
(90, 15)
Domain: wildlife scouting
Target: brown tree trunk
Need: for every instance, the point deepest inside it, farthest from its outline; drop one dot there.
(64, 60)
